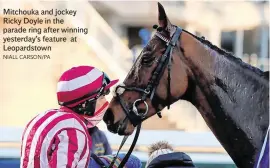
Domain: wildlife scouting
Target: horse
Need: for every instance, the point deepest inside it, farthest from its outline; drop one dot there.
(232, 96)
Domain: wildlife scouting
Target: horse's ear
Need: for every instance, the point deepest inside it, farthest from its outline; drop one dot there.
(163, 20)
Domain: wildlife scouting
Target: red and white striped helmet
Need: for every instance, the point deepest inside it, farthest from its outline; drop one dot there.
(81, 83)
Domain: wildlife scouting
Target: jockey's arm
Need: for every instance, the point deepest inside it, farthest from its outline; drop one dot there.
(69, 149)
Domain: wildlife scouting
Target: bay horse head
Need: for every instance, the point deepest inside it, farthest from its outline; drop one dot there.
(232, 96)
(146, 91)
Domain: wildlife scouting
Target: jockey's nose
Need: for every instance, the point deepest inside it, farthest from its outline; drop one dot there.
(108, 117)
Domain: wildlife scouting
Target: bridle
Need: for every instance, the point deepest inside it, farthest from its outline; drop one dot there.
(149, 91)
(133, 114)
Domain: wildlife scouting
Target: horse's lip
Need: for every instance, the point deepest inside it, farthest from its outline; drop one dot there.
(121, 133)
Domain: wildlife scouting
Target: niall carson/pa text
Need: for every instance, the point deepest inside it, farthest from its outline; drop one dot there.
(26, 57)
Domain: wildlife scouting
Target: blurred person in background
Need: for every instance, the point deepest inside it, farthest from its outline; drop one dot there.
(100, 144)
(145, 36)
(104, 161)
(59, 137)
(262, 159)
(161, 154)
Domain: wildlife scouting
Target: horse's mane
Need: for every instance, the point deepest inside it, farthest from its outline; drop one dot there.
(149, 49)
(227, 54)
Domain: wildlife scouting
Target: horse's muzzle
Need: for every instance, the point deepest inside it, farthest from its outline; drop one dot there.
(109, 120)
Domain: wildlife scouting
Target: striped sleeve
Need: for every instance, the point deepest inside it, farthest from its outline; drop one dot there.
(70, 146)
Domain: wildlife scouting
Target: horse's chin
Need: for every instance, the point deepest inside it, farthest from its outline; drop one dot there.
(126, 128)
(121, 130)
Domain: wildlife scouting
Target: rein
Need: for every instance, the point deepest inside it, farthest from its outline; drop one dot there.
(133, 113)
(125, 159)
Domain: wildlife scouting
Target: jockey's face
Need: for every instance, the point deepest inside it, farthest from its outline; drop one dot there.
(101, 106)
(100, 102)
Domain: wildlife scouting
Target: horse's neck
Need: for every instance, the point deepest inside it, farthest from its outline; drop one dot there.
(232, 99)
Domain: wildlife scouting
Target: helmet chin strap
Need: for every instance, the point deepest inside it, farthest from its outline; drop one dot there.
(98, 115)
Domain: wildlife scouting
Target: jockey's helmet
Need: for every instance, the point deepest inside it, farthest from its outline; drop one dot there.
(82, 83)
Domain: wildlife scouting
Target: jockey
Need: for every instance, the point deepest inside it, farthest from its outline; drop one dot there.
(59, 137)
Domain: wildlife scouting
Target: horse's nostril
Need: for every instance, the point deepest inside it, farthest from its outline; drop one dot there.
(108, 117)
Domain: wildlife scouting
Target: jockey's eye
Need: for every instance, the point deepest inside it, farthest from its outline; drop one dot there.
(106, 92)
